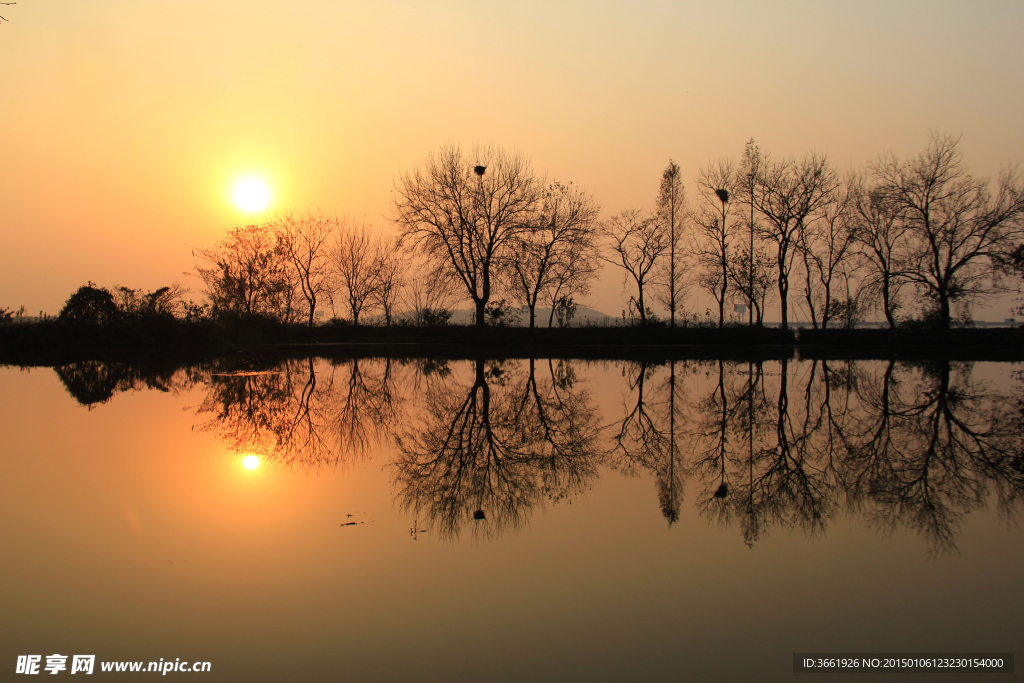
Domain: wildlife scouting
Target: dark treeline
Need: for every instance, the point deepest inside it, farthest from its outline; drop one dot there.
(758, 444)
(915, 240)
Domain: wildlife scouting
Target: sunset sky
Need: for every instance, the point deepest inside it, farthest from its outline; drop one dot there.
(125, 125)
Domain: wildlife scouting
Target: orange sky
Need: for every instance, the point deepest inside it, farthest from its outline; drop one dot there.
(124, 124)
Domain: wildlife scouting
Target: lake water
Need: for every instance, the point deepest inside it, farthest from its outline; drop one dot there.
(445, 520)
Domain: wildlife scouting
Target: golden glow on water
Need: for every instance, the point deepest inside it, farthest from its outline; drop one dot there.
(250, 462)
(251, 194)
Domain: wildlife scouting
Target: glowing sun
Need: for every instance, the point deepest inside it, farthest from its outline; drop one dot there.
(251, 195)
(251, 462)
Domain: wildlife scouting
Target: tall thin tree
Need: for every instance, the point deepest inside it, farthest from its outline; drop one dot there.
(670, 211)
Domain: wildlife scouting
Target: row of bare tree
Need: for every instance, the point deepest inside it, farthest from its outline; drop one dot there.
(919, 235)
(289, 267)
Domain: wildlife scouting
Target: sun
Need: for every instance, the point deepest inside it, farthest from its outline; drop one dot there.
(251, 462)
(251, 195)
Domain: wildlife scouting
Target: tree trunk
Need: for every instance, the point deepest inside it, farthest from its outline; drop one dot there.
(672, 278)
(944, 317)
(886, 305)
(784, 303)
(481, 312)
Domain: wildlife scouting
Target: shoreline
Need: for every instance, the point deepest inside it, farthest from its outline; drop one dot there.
(53, 343)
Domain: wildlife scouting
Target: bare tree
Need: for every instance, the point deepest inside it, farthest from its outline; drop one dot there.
(756, 291)
(464, 213)
(429, 295)
(960, 230)
(671, 215)
(556, 256)
(390, 278)
(749, 276)
(826, 245)
(248, 274)
(306, 243)
(1012, 263)
(713, 231)
(881, 244)
(637, 245)
(356, 263)
(138, 303)
(786, 194)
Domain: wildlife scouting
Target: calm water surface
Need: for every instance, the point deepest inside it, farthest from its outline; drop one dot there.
(517, 520)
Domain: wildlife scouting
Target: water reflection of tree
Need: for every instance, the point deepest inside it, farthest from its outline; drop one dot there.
(765, 445)
(914, 445)
(760, 461)
(730, 423)
(367, 406)
(487, 454)
(279, 413)
(651, 433)
(933, 444)
(300, 413)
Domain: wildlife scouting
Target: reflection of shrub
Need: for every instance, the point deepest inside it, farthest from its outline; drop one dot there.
(435, 366)
(90, 305)
(89, 381)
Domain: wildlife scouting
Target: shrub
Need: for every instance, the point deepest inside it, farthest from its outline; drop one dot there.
(90, 305)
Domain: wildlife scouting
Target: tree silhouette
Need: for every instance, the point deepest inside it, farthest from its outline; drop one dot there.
(90, 305)
(466, 213)
(247, 274)
(637, 245)
(670, 213)
(713, 230)
(305, 241)
(960, 230)
(556, 256)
